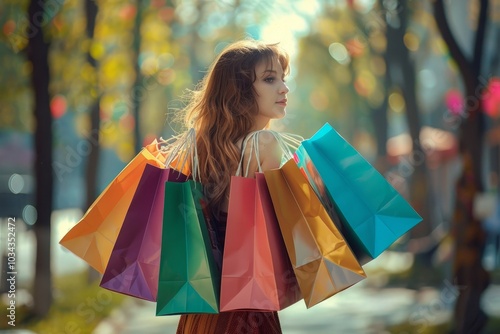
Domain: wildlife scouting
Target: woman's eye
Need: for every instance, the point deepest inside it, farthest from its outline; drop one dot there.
(269, 79)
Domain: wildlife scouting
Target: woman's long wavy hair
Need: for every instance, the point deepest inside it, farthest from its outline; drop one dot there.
(222, 110)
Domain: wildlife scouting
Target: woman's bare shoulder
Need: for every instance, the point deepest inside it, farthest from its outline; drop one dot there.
(270, 152)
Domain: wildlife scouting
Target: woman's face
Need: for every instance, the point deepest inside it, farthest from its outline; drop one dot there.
(270, 91)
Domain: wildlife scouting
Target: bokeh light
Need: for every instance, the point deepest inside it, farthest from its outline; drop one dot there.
(127, 123)
(396, 102)
(128, 12)
(339, 52)
(149, 65)
(454, 101)
(157, 3)
(491, 98)
(97, 50)
(58, 106)
(166, 14)
(16, 183)
(166, 77)
(9, 27)
(355, 47)
(365, 83)
(30, 214)
(411, 41)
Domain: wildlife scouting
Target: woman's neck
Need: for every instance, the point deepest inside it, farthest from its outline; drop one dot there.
(261, 122)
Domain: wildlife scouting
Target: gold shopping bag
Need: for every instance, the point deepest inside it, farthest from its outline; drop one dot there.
(323, 262)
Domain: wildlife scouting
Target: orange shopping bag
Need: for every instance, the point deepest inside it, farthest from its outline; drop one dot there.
(94, 236)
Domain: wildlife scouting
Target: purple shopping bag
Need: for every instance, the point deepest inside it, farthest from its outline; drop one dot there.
(135, 260)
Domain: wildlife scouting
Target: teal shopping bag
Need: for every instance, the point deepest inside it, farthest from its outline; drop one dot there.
(189, 280)
(372, 214)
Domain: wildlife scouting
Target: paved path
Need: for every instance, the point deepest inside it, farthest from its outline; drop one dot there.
(360, 309)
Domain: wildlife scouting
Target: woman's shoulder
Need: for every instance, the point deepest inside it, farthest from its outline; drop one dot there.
(270, 151)
(267, 138)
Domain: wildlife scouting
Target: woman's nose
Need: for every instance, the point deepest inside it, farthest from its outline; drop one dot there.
(284, 88)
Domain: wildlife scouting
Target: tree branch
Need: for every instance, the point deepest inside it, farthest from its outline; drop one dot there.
(480, 32)
(456, 53)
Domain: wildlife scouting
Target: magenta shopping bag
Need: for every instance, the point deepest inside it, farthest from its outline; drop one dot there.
(135, 260)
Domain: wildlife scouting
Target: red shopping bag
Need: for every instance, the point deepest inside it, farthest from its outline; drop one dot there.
(256, 271)
(135, 260)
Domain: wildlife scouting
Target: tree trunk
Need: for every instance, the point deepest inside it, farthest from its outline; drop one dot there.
(379, 114)
(138, 91)
(381, 124)
(38, 49)
(421, 199)
(470, 276)
(93, 159)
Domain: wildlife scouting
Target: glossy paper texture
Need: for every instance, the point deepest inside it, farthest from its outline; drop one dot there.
(373, 214)
(135, 260)
(189, 280)
(323, 262)
(256, 273)
(93, 237)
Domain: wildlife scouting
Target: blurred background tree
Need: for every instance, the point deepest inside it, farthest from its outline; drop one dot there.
(467, 231)
(38, 54)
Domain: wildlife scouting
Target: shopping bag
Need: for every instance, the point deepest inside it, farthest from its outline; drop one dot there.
(256, 273)
(322, 260)
(134, 263)
(188, 279)
(373, 215)
(93, 237)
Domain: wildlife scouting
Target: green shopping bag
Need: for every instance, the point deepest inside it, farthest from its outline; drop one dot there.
(189, 280)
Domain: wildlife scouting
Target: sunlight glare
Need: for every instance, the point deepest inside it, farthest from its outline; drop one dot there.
(285, 28)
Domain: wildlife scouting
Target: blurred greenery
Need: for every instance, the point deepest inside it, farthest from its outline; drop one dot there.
(77, 305)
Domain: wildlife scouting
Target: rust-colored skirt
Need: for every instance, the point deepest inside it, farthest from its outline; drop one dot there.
(239, 322)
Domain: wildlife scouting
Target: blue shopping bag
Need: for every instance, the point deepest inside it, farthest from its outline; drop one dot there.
(372, 214)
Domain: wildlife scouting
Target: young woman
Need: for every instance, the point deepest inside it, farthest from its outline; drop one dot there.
(243, 90)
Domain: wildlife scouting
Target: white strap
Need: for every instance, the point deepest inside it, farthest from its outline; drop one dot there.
(292, 140)
(288, 143)
(249, 138)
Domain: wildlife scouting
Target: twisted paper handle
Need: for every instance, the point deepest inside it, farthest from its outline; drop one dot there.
(185, 150)
(254, 142)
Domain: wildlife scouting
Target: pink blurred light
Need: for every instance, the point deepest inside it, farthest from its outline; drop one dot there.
(454, 102)
(491, 98)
